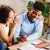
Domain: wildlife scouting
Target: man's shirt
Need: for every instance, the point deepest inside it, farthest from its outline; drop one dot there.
(32, 30)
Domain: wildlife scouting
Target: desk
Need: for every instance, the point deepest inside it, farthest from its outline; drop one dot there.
(14, 47)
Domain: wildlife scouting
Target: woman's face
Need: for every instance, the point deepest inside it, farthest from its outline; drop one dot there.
(11, 17)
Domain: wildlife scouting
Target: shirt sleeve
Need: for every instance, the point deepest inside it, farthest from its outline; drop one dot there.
(37, 33)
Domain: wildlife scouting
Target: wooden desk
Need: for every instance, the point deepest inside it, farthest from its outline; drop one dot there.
(14, 47)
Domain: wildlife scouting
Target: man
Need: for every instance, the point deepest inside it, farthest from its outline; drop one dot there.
(30, 26)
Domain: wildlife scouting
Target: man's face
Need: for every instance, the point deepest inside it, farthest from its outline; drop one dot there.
(34, 14)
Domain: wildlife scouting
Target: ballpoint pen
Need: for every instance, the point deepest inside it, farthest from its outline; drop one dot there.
(33, 44)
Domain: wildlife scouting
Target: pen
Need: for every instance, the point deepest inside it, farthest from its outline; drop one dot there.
(45, 48)
(18, 49)
(33, 44)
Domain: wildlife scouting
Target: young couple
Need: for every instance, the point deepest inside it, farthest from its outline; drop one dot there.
(28, 27)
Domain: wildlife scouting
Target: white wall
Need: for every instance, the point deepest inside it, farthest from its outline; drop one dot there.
(17, 5)
(47, 0)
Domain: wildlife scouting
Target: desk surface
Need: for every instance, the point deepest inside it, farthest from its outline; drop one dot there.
(14, 47)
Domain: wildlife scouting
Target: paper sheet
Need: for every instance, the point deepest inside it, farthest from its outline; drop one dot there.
(30, 47)
(36, 41)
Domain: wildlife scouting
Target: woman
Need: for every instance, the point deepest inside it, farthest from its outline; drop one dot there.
(7, 17)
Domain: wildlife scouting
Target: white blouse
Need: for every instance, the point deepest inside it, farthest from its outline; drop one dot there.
(6, 29)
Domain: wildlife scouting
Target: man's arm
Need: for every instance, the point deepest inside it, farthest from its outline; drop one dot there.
(38, 31)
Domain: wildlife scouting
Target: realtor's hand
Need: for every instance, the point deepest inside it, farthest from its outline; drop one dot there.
(42, 44)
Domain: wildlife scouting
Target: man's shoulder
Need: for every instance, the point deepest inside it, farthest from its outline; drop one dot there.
(38, 21)
(21, 17)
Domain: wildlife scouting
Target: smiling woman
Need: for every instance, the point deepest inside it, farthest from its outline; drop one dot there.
(6, 18)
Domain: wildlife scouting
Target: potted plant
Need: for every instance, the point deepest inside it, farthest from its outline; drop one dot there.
(29, 5)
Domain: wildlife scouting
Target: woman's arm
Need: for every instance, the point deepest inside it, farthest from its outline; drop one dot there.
(4, 37)
(18, 13)
(42, 18)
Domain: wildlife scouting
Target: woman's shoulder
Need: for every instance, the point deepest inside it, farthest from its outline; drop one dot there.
(1, 27)
(1, 24)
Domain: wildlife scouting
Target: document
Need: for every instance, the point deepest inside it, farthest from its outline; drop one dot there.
(36, 41)
(30, 47)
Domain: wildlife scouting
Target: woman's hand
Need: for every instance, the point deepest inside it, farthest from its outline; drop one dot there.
(42, 18)
(15, 23)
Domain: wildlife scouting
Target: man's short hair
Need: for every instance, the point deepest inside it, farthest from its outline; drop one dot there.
(39, 6)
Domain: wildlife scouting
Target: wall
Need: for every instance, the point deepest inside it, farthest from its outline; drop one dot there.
(17, 5)
(47, 0)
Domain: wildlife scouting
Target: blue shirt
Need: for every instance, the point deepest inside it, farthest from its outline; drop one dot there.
(32, 30)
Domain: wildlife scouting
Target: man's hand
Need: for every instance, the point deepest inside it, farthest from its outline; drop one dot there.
(22, 38)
